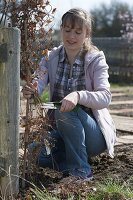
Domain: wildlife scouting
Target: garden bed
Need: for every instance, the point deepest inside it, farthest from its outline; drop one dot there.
(104, 168)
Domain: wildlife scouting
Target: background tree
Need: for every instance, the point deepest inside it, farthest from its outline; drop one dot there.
(107, 22)
(127, 26)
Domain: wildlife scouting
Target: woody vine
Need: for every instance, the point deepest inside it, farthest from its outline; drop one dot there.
(35, 20)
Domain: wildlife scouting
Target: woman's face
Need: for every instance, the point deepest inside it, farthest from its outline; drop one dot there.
(73, 37)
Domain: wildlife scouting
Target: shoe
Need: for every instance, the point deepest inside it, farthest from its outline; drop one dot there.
(82, 174)
(76, 179)
(86, 179)
(68, 180)
(81, 179)
(32, 146)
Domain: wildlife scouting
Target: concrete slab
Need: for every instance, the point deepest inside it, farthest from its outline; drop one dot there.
(122, 102)
(121, 111)
(123, 123)
(125, 139)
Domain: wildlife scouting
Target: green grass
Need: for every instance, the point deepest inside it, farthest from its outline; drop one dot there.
(112, 190)
(108, 190)
(127, 89)
(120, 85)
(45, 97)
(42, 194)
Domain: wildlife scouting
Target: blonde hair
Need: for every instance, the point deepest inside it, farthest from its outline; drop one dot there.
(80, 17)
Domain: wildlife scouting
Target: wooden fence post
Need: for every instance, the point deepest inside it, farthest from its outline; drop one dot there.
(9, 110)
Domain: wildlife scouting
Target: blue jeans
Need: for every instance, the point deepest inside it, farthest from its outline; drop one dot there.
(78, 137)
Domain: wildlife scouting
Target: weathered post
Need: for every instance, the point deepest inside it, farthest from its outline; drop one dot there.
(9, 110)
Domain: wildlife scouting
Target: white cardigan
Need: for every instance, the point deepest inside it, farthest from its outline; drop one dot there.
(97, 95)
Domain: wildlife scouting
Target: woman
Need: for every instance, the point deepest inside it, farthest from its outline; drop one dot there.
(78, 75)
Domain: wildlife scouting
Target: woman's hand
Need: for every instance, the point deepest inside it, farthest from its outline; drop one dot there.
(69, 102)
(29, 90)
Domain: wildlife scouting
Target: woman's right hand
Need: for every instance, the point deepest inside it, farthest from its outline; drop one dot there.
(29, 90)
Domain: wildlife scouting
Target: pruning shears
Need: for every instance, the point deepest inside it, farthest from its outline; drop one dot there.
(56, 105)
(51, 105)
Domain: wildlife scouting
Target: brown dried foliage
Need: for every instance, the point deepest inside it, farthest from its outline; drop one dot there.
(34, 19)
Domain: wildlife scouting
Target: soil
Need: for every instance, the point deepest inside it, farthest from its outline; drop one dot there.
(103, 167)
(121, 167)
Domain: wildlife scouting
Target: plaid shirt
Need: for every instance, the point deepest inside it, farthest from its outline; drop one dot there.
(68, 78)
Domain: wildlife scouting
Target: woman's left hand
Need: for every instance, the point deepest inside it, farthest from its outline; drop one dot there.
(69, 102)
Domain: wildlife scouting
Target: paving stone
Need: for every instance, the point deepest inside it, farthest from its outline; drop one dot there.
(125, 139)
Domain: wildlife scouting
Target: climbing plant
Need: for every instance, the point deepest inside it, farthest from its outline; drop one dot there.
(34, 18)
